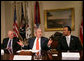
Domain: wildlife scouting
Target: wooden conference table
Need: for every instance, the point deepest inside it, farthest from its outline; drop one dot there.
(46, 55)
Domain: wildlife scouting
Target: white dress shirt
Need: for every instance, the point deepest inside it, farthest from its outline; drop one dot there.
(11, 44)
(68, 39)
(34, 46)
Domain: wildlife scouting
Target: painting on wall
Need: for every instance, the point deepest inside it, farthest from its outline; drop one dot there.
(58, 18)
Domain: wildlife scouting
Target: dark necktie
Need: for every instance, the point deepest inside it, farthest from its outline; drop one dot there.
(9, 47)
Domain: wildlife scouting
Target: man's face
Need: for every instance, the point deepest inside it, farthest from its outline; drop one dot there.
(65, 31)
(10, 34)
(38, 33)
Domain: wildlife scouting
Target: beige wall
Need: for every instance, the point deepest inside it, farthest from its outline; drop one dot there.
(2, 20)
(77, 5)
(7, 15)
(7, 11)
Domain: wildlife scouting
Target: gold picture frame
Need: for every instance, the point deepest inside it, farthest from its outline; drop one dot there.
(58, 18)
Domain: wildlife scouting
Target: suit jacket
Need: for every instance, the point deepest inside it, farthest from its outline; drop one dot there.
(44, 42)
(75, 44)
(15, 46)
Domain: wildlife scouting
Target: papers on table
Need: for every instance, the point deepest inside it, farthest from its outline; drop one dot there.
(54, 54)
(70, 56)
(34, 51)
(2, 52)
(22, 57)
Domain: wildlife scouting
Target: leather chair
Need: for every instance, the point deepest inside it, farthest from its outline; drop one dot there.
(55, 37)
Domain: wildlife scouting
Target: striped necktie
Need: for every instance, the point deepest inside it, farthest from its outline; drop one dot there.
(9, 47)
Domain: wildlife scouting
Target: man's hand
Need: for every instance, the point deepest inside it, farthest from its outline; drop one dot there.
(20, 43)
(50, 42)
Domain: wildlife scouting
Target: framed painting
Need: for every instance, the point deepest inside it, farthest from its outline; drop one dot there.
(58, 18)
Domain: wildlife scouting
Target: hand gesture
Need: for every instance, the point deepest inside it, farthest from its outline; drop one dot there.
(50, 42)
(20, 43)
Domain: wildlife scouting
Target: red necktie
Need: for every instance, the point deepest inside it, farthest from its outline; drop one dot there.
(37, 44)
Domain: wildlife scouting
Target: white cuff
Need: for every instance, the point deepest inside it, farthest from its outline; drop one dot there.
(23, 46)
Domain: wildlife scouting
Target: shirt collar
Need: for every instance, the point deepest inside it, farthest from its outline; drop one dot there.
(68, 36)
(10, 39)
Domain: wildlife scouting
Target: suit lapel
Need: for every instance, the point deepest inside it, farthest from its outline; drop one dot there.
(71, 38)
(42, 41)
(65, 41)
(13, 43)
(7, 41)
(33, 41)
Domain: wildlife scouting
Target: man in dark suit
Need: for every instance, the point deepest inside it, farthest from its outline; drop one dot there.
(10, 44)
(69, 42)
(32, 42)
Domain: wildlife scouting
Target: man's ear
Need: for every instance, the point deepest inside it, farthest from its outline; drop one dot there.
(34, 33)
(69, 31)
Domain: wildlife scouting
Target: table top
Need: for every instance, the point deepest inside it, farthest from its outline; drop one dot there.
(46, 55)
